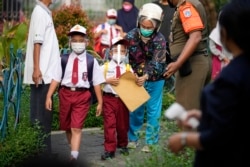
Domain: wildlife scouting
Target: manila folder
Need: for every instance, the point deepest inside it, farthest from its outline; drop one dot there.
(130, 93)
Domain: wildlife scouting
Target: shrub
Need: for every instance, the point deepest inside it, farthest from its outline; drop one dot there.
(65, 18)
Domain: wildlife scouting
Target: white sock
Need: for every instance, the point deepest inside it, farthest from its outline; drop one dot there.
(74, 154)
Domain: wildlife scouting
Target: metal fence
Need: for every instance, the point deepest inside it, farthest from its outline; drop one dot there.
(18, 9)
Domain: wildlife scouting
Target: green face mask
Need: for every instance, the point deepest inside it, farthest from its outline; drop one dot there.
(146, 32)
(111, 21)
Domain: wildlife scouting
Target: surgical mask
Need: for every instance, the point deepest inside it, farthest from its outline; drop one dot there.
(111, 21)
(119, 58)
(78, 47)
(146, 32)
(127, 8)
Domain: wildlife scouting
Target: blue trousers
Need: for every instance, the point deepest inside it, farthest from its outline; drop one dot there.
(152, 108)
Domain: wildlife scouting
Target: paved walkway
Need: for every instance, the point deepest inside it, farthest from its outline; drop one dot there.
(91, 150)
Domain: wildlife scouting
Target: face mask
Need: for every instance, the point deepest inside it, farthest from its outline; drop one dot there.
(127, 8)
(145, 32)
(116, 58)
(111, 21)
(171, 5)
(77, 47)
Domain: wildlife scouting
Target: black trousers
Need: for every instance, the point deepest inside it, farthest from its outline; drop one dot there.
(39, 114)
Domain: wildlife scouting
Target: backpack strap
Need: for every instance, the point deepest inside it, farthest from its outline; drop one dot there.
(103, 26)
(90, 66)
(128, 67)
(64, 60)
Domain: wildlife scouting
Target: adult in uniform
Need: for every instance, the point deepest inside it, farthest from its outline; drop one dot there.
(188, 47)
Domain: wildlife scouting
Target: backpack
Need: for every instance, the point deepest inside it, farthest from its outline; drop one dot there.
(97, 45)
(90, 64)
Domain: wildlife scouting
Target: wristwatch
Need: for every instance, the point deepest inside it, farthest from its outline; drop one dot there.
(184, 138)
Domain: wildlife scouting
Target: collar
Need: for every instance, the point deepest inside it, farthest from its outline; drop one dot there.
(42, 5)
(80, 57)
(180, 3)
(114, 62)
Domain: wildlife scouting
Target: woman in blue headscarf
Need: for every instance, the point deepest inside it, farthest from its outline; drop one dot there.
(127, 15)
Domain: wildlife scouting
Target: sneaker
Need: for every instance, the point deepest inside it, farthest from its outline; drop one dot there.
(108, 155)
(124, 151)
(146, 149)
(133, 145)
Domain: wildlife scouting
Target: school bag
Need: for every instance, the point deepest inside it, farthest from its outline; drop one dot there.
(90, 65)
(97, 45)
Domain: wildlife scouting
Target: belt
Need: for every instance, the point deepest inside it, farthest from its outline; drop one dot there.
(110, 94)
(104, 45)
(203, 52)
(75, 88)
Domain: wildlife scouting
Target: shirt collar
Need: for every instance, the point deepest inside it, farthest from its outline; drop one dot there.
(44, 7)
(80, 57)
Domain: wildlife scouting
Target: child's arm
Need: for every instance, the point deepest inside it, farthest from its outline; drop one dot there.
(52, 88)
(98, 93)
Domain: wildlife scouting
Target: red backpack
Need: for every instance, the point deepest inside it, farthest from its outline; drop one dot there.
(97, 46)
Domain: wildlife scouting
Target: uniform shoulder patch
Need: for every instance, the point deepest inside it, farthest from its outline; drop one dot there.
(187, 12)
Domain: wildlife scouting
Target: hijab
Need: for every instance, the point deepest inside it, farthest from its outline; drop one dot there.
(127, 19)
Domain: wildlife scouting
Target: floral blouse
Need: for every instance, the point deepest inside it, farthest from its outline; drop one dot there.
(147, 58)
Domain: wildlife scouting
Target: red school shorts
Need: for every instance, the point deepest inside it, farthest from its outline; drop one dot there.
(73, 108)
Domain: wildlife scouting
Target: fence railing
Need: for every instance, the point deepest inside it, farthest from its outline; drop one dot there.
(10, 92)
(18, 9)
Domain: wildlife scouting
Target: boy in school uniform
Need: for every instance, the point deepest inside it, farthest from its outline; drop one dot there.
(115, 113)
(74, 94)
(106, 31)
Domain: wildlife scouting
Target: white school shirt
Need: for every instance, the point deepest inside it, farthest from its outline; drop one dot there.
(111, 72)
(105, 38)
(83, 82)
(41, 31)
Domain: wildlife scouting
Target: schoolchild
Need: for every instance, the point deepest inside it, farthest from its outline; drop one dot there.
(106, 31)
(74, 94)
(115, 113)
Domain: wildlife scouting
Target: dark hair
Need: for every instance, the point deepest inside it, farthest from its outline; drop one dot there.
(235, 19)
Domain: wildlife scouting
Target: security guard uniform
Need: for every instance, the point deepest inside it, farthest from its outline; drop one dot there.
(190, 16)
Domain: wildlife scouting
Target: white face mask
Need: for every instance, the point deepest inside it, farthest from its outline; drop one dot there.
(119, 58)
(78, 47)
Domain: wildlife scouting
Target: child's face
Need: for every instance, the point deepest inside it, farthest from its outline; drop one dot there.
(118, 53)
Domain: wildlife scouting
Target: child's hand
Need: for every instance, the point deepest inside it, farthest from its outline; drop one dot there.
(113, 81)
(98, 110)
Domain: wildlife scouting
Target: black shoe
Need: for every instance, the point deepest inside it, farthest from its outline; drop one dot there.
(73, 162)
(108, 155)
(124, 151)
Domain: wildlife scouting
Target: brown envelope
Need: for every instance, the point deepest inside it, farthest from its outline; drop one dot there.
(130, 93)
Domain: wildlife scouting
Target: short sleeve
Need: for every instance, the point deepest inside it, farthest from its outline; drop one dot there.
(190, 18)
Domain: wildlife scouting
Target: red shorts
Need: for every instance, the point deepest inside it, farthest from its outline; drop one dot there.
(73, 108)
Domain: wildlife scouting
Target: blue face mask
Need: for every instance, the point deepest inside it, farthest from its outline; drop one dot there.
(146, 32)
(111, 21)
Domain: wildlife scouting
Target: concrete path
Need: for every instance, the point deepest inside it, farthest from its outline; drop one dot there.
(92, 148)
